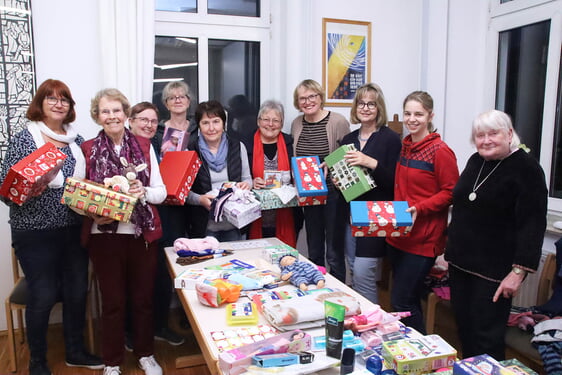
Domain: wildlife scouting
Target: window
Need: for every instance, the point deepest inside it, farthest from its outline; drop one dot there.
(248, 8)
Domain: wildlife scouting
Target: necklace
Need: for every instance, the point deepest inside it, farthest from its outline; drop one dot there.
(472, 196)
(362, 139)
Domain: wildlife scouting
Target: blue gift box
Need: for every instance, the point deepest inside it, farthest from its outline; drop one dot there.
(309, 177)
(380, 218)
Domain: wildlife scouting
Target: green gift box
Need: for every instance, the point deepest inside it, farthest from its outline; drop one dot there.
(271, 201)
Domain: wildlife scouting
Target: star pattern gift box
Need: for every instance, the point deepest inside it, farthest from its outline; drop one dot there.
(178, 170)
(309, 180)
(31, 173)
(87, 196)
(380, 218)
(352, 181)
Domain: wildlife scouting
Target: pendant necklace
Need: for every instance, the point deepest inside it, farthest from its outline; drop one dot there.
(472, 196)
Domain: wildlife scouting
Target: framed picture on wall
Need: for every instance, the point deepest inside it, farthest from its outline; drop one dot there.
(346, 59)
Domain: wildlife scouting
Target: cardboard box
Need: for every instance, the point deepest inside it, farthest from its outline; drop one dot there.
(309, 177)
(179, 170)
(275, 360)
(312, 201)
(87, 196)
(273, 253)
(417, 355)
(380, 218)
(241, 212)
(517, 367)
(480, 365)
(31, 173)
(188, 278)
(352, 181)
(271, 201)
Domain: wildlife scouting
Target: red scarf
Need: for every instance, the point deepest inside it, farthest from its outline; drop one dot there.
(284, 224)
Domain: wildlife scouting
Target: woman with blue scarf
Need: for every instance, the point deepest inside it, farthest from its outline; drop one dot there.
(223, 159)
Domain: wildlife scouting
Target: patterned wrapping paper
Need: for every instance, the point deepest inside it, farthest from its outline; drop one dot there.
(271, 201)
(179, 170)
(32, 172)
(380, 218)
(352, 181)
(309, 177)
(241, 212)
(87, 196)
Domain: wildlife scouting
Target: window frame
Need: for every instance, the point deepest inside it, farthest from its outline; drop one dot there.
(516, 14)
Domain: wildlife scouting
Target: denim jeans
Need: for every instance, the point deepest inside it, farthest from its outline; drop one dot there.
(56, 269)
(226, 235)
(408, 274)
(366, 273)
(325, 235)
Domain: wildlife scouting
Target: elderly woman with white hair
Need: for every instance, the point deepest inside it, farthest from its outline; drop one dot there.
(496, 233)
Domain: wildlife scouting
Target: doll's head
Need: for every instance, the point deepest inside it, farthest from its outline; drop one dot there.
(287, 260)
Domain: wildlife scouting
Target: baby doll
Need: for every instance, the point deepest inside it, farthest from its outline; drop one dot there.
(300, 274)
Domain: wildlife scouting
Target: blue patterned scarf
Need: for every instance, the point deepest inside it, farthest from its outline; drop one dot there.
(216, 162)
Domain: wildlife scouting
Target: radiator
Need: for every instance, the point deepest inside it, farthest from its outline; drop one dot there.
(527, 295)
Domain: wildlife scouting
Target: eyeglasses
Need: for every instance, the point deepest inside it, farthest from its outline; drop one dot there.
(51, 100)
(181, 98)
(272, 121)
(370, 105)
(145, 121)
(310, 98)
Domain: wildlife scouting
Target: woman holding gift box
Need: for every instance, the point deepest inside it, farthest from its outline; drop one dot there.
(496, 233)
(46, 233)
(425, 176)
(379, 149)
(124, 254)
(318, 132)
(223, 159)
(272, 150)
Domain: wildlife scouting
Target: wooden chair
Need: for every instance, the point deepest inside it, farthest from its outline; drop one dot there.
(16, 302)
(396, 125)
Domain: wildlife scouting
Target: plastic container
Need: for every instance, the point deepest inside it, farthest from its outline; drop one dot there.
(241, 313)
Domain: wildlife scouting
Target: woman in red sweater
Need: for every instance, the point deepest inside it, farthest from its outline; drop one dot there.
(425, 176)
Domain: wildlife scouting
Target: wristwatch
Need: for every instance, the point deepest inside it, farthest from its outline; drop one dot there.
(518, 271)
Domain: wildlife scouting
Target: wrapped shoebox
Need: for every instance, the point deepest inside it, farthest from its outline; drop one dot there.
(380, 218)
(236, 361)
(242, 211)
(178, 170)
(271, 201)
(273, 254)
(87, 196)
(417, 355)
(480, 365)
(312, 201)
(309, 180)
(30, 174)
(352, 181)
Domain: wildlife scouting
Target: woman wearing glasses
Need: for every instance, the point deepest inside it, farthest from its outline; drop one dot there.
(46, 233)
(318, 132)
(272, 150)
(378, 150)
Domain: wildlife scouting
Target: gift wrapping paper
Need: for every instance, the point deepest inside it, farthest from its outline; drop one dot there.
(380, 218)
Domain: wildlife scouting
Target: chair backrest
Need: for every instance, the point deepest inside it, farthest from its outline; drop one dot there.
(15, 267)
(546, 280)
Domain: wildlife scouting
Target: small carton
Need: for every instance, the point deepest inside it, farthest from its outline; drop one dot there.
(188, 278)
(517, 367)
(179, 170)
(309, 177)
(87, 196)
(352, 181)
(274, 253)
(417, 355)
(275, 360)
(30, 174)
(480, 365)
(241, 212)
(380, 218)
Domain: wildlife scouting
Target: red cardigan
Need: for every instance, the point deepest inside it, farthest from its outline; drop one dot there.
(425, 177)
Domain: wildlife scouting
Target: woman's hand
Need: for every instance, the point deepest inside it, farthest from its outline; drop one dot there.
(509, 286)
(137, 190)
(99, 220)
(259, 183)
(243, 185)
(205, 200)
(359, 158)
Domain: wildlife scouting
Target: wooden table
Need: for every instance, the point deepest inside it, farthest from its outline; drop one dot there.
(205, 319)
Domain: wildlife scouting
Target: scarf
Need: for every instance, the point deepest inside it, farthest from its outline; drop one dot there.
(36, 128)
(104, 162)
(216, 162)
(284, 223)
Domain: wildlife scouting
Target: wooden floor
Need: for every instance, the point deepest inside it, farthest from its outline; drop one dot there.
(167, 354)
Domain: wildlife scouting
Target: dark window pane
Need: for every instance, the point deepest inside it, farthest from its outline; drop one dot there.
(505, 1)
(248, 8)
(175, 59)
(188, 6)
(521, 80)
(234, 80)
(556, 172)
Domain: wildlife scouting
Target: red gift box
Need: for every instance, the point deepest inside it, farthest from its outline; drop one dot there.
(380, 218)
(178, 170)
(30, 174)
(312, 201)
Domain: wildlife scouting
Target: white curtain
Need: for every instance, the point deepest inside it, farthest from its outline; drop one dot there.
(127, 45)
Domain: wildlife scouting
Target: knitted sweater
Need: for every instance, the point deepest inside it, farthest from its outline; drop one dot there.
(337, 127)
(505, 224)
(425, 176)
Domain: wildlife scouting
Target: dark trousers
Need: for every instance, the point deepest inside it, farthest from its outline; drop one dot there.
(126, 269)
(56, 269)
(325, 235)
(481, 323)
(408, 275)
